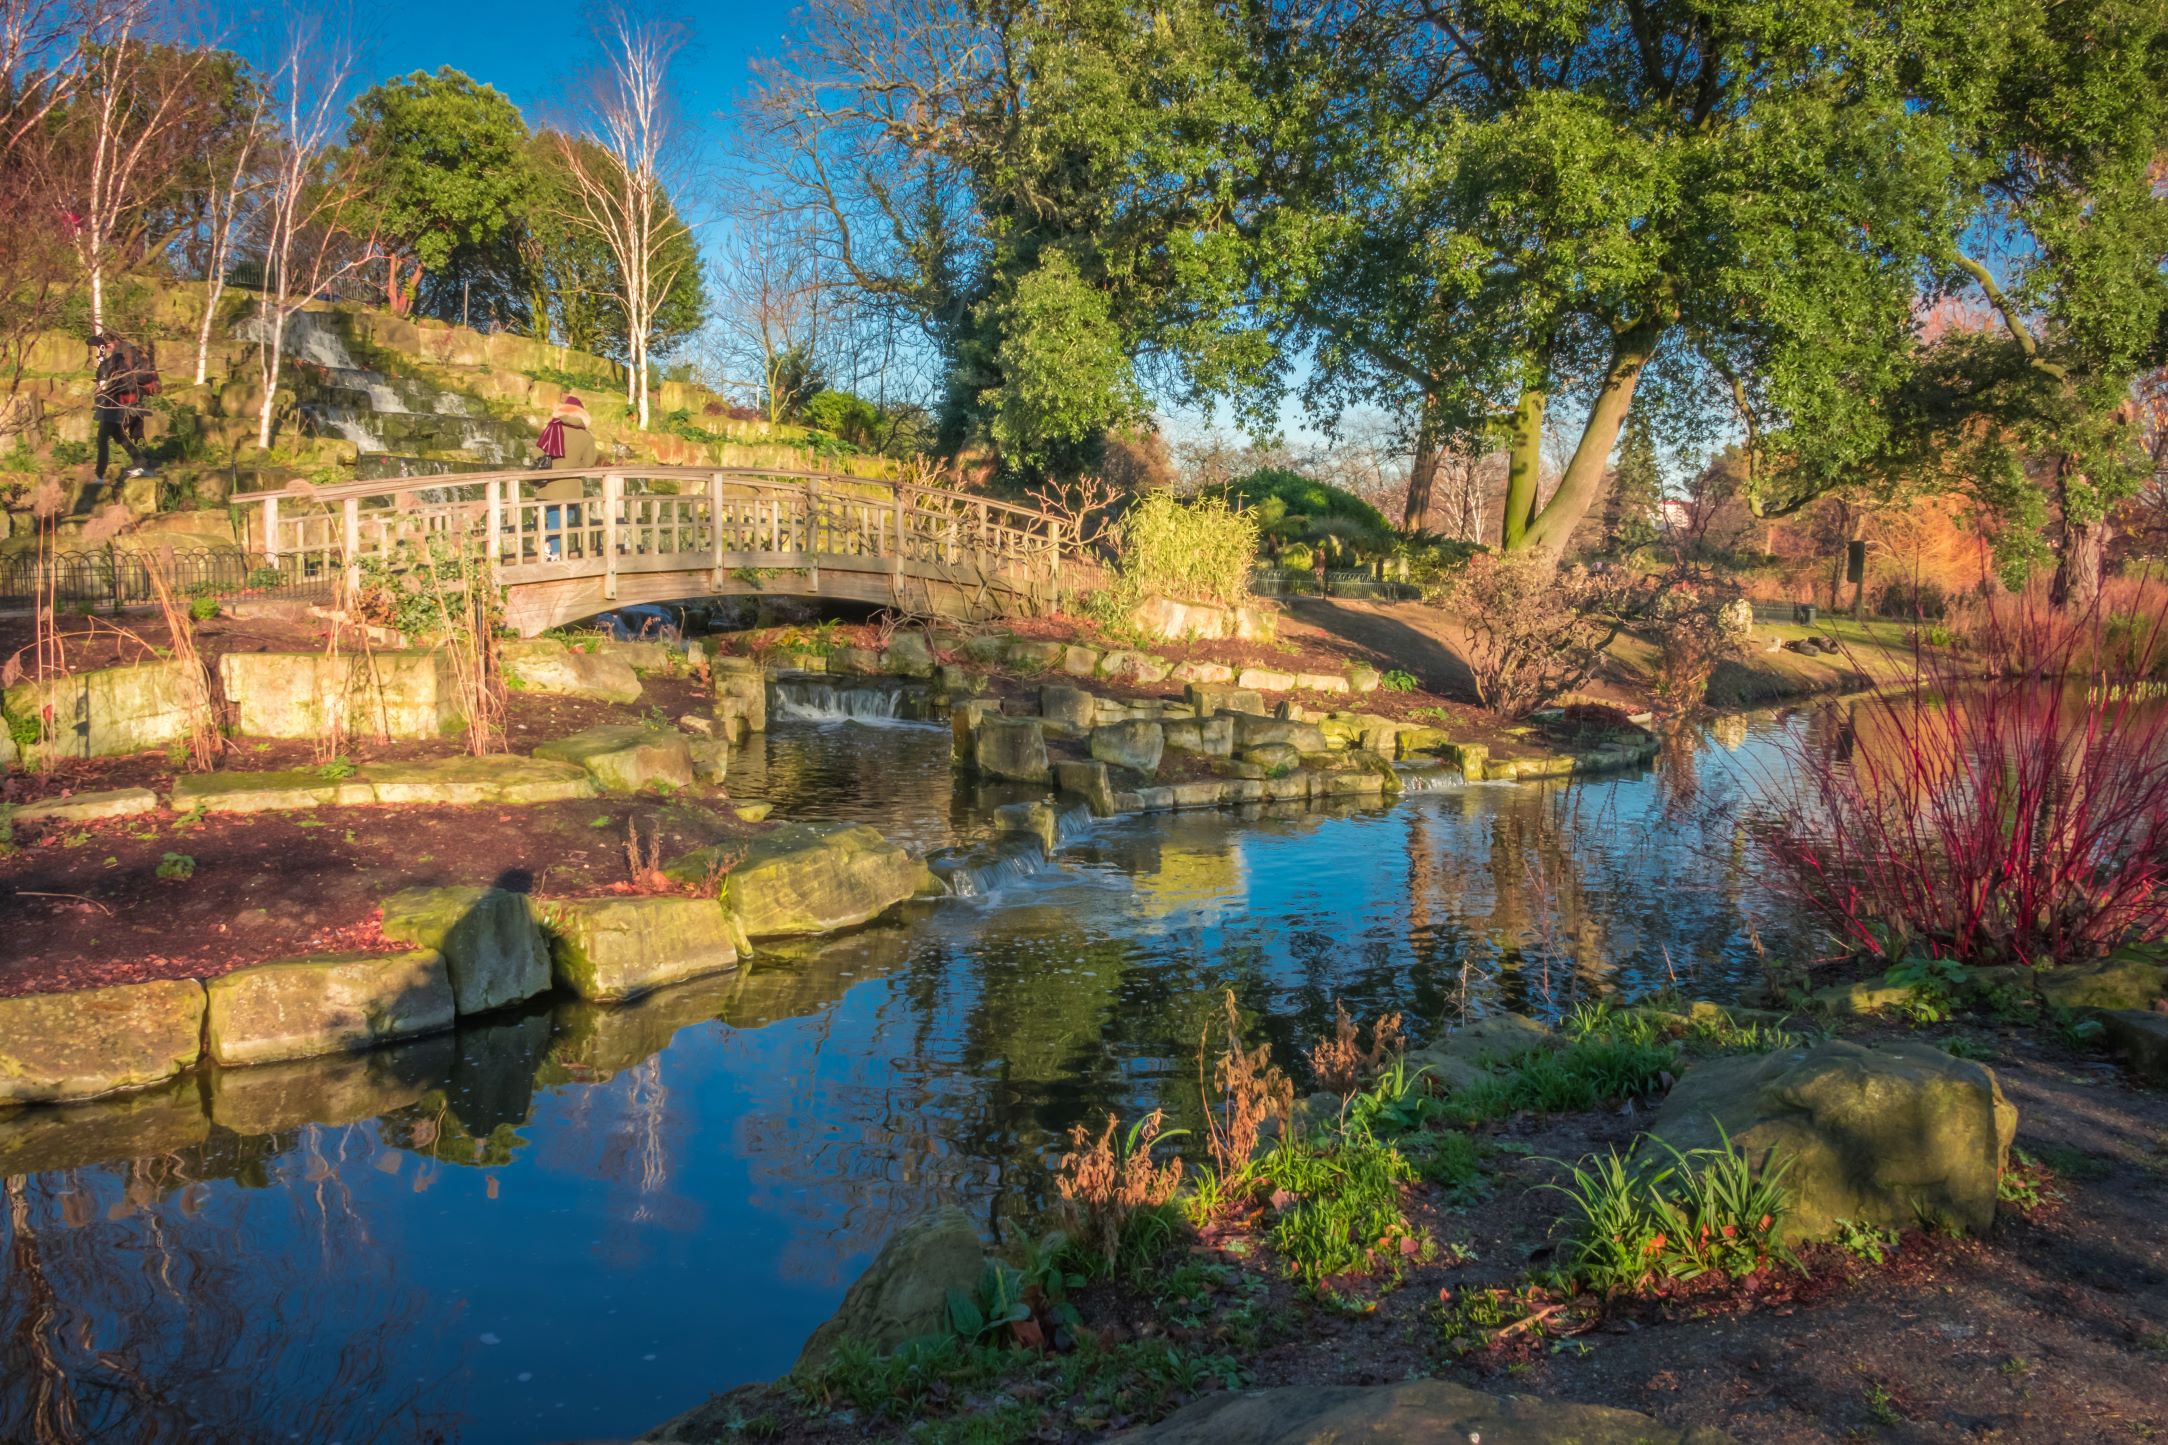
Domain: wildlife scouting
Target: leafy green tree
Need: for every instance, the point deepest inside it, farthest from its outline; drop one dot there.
(449, 162)
(1494, 208)
(2034, 415)
(1053, 198)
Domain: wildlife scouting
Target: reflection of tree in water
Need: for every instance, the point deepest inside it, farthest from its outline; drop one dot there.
(128, 1313)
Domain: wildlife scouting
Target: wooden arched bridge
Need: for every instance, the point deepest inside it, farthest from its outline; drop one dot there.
(609, 536)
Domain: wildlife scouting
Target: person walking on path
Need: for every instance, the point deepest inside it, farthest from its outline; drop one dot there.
(125, 378)
(567, 441)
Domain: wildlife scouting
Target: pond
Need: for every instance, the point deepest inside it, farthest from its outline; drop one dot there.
(578, 1221)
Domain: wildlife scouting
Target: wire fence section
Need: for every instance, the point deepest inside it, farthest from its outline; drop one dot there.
(117, 577)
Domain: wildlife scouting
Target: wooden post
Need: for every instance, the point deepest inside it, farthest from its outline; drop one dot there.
(895, 563)
(613, 496)
(495, 524)
(271, 531)
(812, 552)
(715, 526)
(352, 509)
(1053, 531)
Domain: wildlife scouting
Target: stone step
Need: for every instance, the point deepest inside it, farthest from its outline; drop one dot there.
(465, 781)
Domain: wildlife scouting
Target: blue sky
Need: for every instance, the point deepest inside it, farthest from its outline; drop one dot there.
(527, 50)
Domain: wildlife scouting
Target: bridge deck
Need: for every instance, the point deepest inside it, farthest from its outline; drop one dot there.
(607, 536)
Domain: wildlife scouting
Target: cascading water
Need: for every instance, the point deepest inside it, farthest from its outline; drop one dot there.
(408, 416)
(827, 702)
(1071, 824)
(1431, 780)
(983, 871)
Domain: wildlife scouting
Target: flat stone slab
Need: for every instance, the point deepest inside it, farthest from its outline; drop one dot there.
(1410, 1410)
(628, 758)
(493, 948)
(499, 780)
(326, 1004)
(806, 878)
(55, 1047)
(612, 948)
(89, 807)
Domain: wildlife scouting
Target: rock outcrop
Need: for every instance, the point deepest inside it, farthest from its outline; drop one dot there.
(805, 878)
(493, 949)
(626, 758)
(613, 948)
(903, 1295)
(545, 665)
(1889, 1135)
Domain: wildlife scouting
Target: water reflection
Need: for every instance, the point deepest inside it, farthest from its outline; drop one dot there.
(578, 1220)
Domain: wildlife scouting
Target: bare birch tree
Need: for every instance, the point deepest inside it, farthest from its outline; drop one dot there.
(232, 191)
(136, 94)
(309, 207)
(618, 167)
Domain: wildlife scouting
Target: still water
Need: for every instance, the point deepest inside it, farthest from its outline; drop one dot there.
(579, 1221)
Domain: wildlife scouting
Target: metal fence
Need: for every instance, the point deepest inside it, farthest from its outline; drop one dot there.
(116, 577)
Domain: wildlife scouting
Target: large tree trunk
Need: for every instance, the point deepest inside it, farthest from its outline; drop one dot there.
(1422, 475)
(1524, 469)
(1582, 484)
(2078, 568)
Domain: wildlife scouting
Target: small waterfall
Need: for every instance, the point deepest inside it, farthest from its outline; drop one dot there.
(827, 702)
(1431, 780)
(1072, 824)
(983, 871)
(347, 423)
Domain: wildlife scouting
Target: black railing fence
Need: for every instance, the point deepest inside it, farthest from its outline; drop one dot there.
(117, 577)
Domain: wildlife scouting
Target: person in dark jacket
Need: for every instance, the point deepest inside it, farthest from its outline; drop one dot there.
(125, 377)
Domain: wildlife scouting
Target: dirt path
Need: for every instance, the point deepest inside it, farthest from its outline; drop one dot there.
(1408, 635)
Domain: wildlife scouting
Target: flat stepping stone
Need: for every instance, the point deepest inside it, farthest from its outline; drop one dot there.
(500, 780)
(89, 807)
(56, 1047)
(627, 758)
(613, 948)
(325, 1004)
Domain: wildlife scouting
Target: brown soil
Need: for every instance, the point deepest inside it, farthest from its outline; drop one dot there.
(2055, 1328)
(84, 906)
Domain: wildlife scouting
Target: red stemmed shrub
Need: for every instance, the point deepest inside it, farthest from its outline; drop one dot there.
(2016, 818)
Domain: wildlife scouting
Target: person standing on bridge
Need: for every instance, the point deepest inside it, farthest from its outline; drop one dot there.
(567, 441)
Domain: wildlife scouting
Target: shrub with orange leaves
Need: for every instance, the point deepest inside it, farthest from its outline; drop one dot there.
(1341, 1065)
(1104, 1184)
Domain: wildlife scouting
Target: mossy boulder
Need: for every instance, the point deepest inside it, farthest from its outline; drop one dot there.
(1212, 737)
(325, 1004)
(1090, 781)
(494, 951)
(2131, 979)
(1013, 749)
(627, 758)
(546, 665)
(1864, 998)
(1889, 1135)
(56, 1047)
(806, 878)
(2139, 1037)
(903, 1295)
(1067, 705)
(612, 948)
(1467, 1054)
(1136, 746)
(1409, 1410)
(908, 655)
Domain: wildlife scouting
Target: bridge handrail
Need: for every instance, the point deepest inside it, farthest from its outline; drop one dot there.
(300, 490)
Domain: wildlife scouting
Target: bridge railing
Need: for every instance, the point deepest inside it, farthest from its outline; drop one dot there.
(609, 520)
